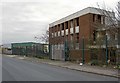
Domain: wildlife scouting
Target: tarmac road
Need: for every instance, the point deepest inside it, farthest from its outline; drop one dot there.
(21, 70)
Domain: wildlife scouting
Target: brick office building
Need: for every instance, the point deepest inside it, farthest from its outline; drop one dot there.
(71, 31)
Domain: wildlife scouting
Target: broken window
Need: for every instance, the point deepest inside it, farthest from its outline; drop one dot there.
(93, 17)
(71, 23)
(66, 24)
(62, 26)
(77, 21)
(99, 18)
(77, 38)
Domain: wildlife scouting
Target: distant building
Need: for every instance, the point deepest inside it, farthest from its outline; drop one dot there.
(74, 31)
(6, 49)
(0, 49)
(29, 49)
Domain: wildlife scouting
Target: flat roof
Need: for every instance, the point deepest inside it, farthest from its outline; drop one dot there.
(78, 14)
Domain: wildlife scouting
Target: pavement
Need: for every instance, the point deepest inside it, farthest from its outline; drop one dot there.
(73, 66)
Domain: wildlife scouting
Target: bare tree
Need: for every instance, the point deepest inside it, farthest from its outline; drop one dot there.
(112, 16)
(44, 37)
(118, 13)
(110, 27)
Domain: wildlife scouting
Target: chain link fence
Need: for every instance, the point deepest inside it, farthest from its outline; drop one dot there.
(32, 51)
(100, 52)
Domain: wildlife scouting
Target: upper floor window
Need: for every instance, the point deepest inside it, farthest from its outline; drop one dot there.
(66, 24)
(59, 27)
(77, 21)
(62, 26)
(93, 17)
(99, 18)
(71, 23)
(94, 35)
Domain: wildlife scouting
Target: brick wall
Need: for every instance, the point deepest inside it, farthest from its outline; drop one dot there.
(77, 55)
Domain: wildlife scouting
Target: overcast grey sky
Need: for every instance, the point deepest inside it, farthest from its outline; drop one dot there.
(21, 20)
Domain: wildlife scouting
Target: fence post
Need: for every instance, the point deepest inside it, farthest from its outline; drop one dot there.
(106, 43)
(50, 52)
(83, 50)
(66, 50)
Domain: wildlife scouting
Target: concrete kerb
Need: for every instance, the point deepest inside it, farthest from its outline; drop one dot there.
(83, 70)
(29, 58)
(79, 70)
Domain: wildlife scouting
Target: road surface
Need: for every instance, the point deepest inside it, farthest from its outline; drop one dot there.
(21, 70)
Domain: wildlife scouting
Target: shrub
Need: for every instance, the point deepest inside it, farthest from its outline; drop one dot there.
(94, 62)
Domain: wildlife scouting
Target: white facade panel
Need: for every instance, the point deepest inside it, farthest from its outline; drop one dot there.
(77, 29)
(62, 33)
(58, 33)
(71, 30)
(66, 31)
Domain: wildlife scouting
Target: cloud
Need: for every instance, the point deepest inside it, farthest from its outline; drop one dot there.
(22, 31)
(23, 19)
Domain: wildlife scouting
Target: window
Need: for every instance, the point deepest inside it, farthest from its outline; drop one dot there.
(102, 19)
(77, 21)
(67, 37)
(99, 18)
(66, 24)
(71, 38)
(55, 34)
(77, 46)
(52, 35)
(58, 26)
(77, 38)
(94, 35)
(93, 17)
(71, 23)
(62, 26)
(116, 36)
(52, 29)
(108, 36)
